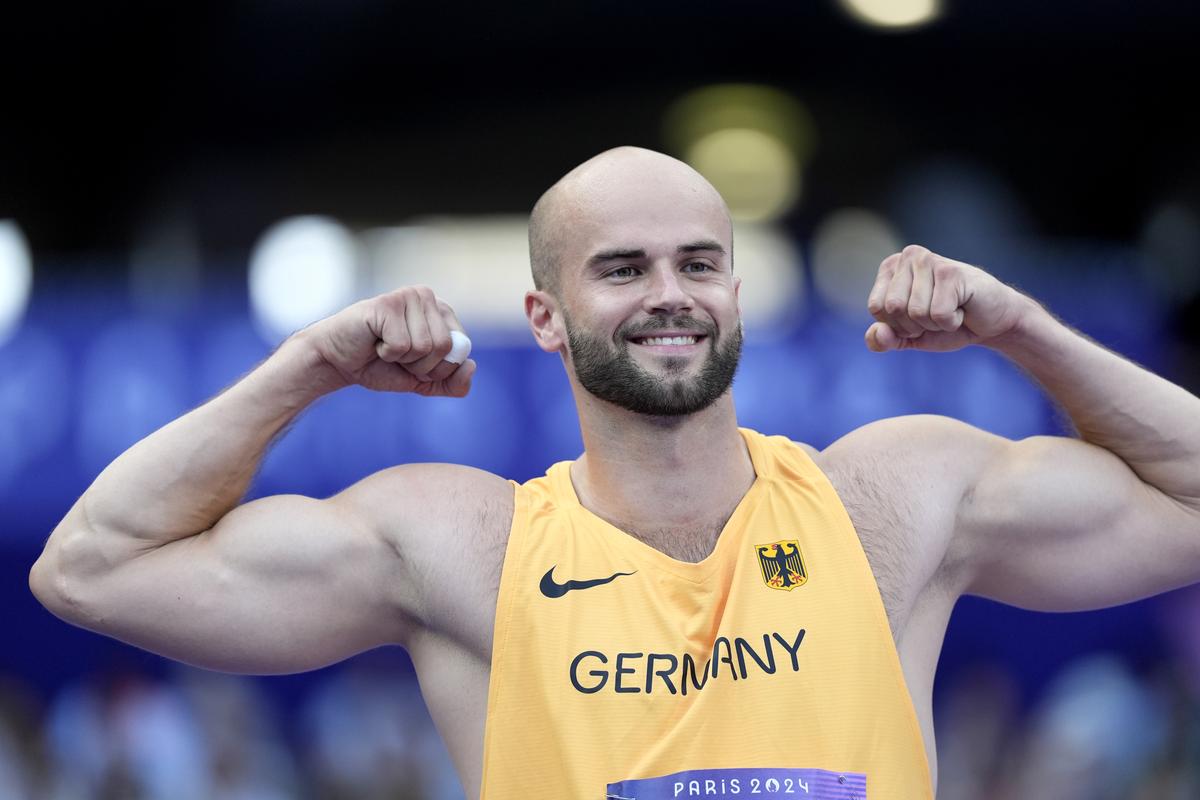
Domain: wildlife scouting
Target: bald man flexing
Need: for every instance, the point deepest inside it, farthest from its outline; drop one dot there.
(689, 608)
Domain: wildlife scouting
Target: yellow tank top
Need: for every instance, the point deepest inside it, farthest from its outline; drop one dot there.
(766, 671)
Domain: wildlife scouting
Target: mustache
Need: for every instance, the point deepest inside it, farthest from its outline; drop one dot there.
(647, 327)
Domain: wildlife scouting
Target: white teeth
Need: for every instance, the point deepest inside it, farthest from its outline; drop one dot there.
(669, 340)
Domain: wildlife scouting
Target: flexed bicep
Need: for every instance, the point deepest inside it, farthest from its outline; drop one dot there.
(285, 583)
(281, 584)
(1059, 524)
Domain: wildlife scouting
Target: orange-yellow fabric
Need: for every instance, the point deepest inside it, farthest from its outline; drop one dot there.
(772, 652)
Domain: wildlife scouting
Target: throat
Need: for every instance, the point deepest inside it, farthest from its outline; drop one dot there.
(676, 499)
(684, 526)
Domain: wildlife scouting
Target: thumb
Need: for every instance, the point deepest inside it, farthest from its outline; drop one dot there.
(880, 338)
(384, 376)
(459, 383)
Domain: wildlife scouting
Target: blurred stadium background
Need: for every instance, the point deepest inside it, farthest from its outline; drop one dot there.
(183, 184)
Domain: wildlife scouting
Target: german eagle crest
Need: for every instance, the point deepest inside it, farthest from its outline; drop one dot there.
(781, 564)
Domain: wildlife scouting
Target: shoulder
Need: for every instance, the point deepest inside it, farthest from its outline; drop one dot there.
(813, 452)
(903, 481)
(931, 438)
(441, 522)
(932, 441)
(925, 463)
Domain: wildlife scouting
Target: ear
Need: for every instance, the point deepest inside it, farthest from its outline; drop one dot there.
(541, 309)
(737, 293)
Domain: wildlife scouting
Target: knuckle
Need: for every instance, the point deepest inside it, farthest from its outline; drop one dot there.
(894, 305)
(913, 251)
(394, 300)
(917, 312)
(875, 306)
(943, 270)
(396, 337)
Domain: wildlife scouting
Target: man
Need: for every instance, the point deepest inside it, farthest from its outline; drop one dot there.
(686, 609)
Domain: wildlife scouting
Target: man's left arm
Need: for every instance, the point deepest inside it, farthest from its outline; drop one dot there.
(1048, 522)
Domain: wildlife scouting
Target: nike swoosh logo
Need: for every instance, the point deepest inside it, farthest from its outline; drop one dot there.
(552, 589)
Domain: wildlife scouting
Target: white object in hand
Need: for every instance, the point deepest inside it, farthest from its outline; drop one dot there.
(460, 348)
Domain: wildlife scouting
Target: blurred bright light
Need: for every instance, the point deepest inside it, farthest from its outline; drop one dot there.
(479, 265)
(16, 277)
(753, 170)
(301, 270)
(893, 14)
(771, 268)
(740, 105)
(750, 141)
(1171, 253)
(847, 248)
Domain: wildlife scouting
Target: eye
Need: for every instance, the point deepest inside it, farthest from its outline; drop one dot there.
(697, 266)
(622, 272)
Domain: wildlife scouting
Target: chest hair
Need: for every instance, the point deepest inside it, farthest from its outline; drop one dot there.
(692, 544)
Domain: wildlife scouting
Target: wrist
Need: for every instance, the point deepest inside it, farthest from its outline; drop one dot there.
(298, 374)
(1032, 329)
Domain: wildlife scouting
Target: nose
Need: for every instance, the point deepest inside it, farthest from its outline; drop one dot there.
(666, 291)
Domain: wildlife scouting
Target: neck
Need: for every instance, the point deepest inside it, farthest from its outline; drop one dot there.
(660, 472)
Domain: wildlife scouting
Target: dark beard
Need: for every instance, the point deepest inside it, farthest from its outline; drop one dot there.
(612, 374)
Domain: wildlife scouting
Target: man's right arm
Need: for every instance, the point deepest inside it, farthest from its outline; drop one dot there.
(157, 552)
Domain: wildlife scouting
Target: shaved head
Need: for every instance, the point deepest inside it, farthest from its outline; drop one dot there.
(598, 190)
(632, 258)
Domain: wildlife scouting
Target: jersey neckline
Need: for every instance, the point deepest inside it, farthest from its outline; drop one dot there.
(641, 552)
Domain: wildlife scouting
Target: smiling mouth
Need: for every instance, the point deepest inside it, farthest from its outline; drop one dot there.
(668, 341)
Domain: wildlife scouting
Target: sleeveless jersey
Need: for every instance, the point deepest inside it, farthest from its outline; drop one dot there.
(765, 671)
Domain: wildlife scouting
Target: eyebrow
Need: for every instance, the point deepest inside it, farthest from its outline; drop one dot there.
(702, 245)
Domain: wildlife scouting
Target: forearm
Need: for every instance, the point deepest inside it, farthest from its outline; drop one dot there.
(1149, 422)
(184, 477)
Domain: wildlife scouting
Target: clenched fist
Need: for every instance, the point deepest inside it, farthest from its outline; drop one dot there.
(394, 342)
(926, 302)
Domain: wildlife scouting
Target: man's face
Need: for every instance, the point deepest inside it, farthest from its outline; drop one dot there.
(608, 369)
(649, 300)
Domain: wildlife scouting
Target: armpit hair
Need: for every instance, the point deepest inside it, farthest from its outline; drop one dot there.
(888, 516)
